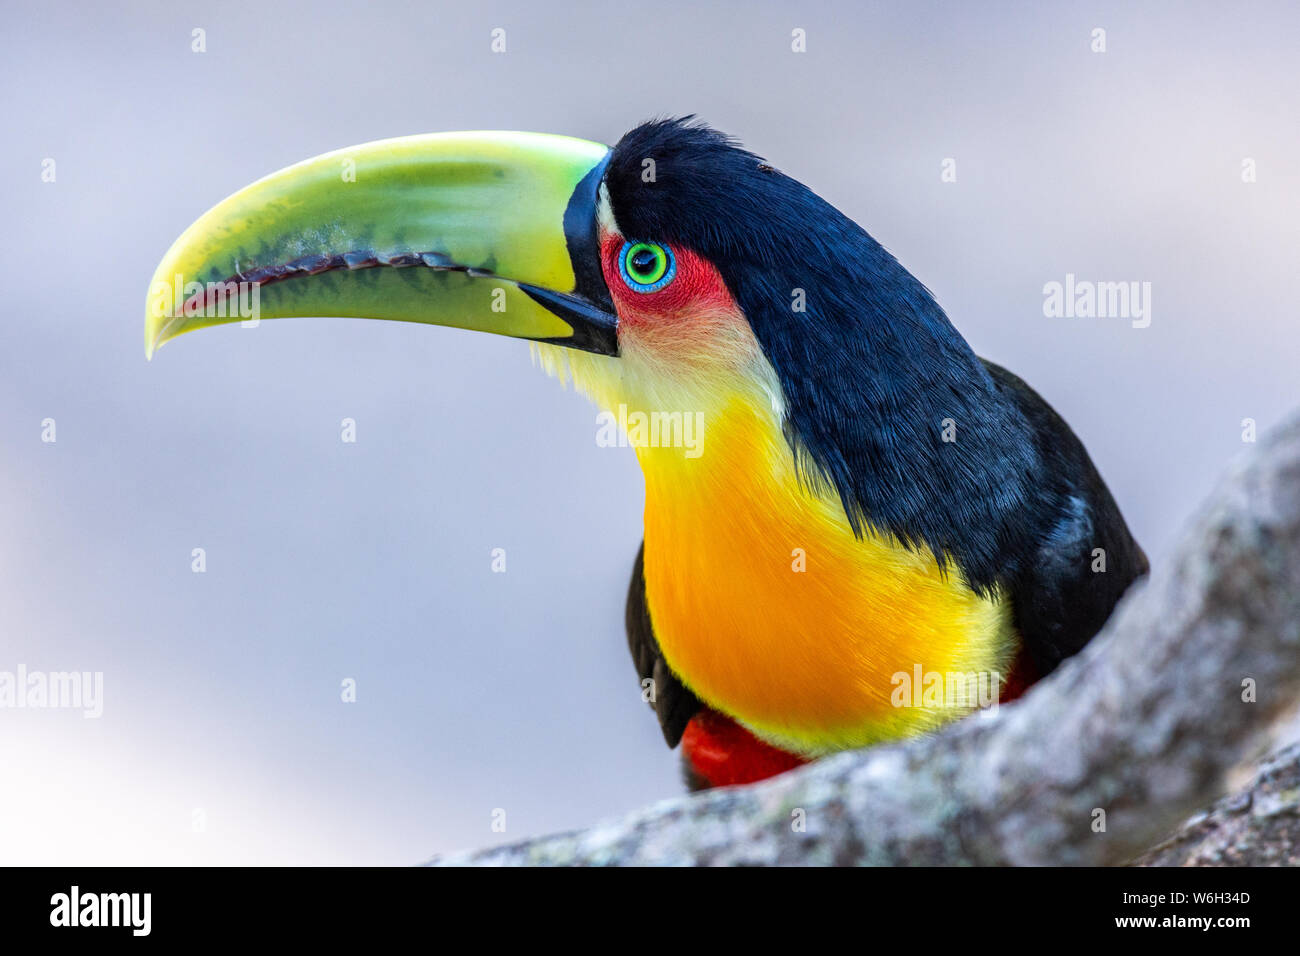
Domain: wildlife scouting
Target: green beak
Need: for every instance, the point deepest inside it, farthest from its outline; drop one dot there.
(490, 231)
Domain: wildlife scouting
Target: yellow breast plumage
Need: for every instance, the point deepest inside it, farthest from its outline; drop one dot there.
(771, 610)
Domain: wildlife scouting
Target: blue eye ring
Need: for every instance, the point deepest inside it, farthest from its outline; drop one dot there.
(661, 271)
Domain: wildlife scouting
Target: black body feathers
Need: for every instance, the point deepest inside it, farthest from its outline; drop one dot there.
(874, 378)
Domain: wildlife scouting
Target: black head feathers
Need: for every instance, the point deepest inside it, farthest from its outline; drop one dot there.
(885, 401)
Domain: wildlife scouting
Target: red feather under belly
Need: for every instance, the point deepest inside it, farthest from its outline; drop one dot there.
(721, 753)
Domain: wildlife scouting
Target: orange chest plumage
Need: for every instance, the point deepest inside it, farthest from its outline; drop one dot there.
(769, 608)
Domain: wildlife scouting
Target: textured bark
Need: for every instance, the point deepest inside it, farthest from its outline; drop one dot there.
(1146, 724)
(1257, 826)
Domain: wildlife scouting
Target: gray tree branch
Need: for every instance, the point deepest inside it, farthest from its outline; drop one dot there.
(1147, 725)
(1258, 825)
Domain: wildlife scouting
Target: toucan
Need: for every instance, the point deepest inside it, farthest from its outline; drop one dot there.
(868, 515)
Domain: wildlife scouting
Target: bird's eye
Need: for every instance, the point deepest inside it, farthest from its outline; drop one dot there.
(646, 266)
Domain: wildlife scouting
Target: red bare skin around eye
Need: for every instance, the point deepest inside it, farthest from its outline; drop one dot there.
(696, 294)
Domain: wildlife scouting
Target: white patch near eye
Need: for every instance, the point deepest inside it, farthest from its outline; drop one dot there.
(676, 371)
(605, 213)
(673, 372)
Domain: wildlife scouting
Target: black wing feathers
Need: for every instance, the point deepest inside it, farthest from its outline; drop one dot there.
(673, 703)
(1059, 600)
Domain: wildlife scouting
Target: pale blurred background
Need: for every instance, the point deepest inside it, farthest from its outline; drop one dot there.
(371, 561)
